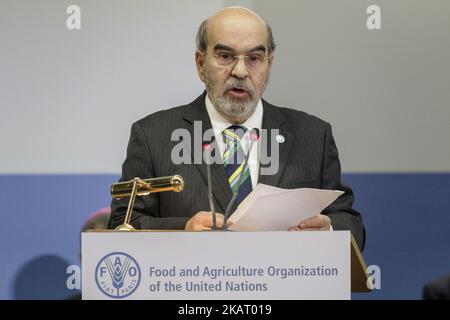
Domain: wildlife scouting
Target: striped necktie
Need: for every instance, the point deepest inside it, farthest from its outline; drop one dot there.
(233, 159)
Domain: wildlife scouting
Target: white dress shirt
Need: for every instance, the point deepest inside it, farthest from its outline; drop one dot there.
(219, 123)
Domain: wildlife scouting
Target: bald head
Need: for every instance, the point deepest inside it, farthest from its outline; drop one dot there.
(233, 20)
(238, 12)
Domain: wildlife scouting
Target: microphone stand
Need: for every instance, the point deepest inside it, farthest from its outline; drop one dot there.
(210, 194)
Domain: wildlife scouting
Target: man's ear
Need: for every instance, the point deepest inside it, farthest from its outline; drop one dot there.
(270, 63)
(199, 63)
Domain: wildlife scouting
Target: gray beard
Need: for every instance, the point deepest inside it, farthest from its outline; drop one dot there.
(238, 111)
(234, 110)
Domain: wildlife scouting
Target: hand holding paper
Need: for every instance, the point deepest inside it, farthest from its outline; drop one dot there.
(269, 208)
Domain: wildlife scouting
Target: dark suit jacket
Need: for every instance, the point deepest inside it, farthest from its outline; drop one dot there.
(308, 158)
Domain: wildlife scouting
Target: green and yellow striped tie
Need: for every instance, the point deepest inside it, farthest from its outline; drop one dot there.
(233, 159)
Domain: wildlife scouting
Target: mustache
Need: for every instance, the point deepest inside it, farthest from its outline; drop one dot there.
(239, 84)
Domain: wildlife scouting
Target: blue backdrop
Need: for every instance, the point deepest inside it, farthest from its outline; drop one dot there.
(407, 218)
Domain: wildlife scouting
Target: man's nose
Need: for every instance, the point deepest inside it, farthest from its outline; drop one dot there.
(240, 69)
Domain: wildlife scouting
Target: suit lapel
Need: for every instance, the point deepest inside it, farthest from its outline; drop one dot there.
(274, 119)
(221, 188)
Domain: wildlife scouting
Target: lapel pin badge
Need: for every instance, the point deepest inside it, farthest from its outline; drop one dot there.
(279, 138)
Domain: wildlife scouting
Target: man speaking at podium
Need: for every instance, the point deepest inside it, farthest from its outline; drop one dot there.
(235, 51)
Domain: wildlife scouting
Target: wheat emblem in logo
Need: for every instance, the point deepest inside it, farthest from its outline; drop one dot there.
(117, 275)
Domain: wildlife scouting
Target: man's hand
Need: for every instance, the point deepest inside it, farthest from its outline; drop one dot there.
(320, 222)
(202, 221)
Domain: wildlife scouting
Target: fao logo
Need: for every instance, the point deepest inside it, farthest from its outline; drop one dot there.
(117, 275)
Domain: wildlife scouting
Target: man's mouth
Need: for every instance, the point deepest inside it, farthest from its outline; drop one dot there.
(238, 92)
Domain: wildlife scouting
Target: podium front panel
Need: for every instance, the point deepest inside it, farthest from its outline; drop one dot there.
(216, 265)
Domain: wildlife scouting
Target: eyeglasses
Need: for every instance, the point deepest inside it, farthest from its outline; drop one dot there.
(252, 61)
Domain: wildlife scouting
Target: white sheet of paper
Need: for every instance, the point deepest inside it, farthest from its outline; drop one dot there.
(269, 208)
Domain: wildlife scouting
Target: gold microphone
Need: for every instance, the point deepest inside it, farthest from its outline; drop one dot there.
(147, 186)
(143, 187)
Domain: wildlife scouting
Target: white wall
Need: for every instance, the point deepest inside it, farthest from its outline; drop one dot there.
(386, 92)
(68, 98)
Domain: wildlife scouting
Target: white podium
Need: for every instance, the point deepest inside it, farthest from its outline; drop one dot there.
(221, 265)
